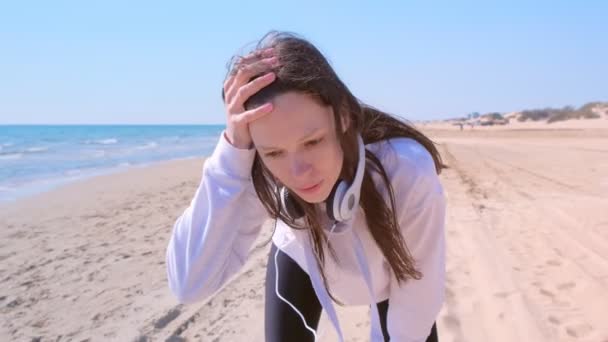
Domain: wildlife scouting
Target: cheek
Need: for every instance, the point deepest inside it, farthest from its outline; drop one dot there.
(278, 168)
(329, 159)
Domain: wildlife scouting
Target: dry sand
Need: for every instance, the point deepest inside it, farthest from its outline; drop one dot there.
(527, 231)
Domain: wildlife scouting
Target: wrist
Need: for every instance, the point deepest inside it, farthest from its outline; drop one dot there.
(237, 144)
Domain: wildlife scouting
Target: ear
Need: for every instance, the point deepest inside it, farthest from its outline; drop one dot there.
(344, 117)
(345, 122)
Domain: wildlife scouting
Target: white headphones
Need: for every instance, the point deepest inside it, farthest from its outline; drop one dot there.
(343, 198)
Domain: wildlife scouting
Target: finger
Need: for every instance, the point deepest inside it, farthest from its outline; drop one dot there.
(254, 114)
(256, 55)
(255, 61)
(245, 74)
(231, 78)
(246, 91)
(227, 84)
(248, 70)
(251, 58)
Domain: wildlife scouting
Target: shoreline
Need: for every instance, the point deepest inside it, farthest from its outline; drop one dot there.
(27, 190)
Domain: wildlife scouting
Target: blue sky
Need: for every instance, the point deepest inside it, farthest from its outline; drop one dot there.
(131, 62)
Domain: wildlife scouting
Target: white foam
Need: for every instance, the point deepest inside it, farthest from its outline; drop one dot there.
(147, 146)
(36, 149)
(109, 141)
(11, 156)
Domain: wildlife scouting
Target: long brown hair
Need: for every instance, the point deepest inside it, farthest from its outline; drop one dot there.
(303, 68)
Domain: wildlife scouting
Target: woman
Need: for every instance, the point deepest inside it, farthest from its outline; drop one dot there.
(358, 206)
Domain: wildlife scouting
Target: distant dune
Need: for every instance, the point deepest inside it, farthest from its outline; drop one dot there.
(589, 116)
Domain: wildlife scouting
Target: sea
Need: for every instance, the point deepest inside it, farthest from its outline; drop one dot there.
(38, 158)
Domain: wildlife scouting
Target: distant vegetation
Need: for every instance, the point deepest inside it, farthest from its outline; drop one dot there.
(566, 113)
(590, 110)
(493, 116)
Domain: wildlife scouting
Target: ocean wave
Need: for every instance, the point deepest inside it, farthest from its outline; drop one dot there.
(10, 156)
(109, 141)
(147, 146)
(36, 149)
(17, 153)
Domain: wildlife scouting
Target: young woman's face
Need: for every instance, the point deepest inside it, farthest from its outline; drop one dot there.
(297, 142)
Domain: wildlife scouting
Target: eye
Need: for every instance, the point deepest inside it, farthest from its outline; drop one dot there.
(313, 142)
(308, 144)
(273, 154)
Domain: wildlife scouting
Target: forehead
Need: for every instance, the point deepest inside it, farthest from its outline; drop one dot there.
(294, 116)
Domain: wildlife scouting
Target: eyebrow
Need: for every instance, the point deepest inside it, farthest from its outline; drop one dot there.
(310, 134)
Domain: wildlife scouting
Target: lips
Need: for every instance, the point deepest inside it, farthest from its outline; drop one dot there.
(309, 187)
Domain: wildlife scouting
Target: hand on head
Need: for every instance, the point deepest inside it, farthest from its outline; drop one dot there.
(238, 88)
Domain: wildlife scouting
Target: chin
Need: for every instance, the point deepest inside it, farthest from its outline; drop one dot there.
(316, 200)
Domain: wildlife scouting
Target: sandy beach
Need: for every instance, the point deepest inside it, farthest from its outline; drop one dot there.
(527, 235)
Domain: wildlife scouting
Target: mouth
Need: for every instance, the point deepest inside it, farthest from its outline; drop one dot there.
(311, 188)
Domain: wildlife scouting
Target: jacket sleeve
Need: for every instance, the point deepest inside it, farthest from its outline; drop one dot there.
(212, 238)
(420, 202)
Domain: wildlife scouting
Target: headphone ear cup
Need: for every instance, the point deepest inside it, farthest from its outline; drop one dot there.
(289, 205)
(329, 203)
(348, 204)
(336, 201)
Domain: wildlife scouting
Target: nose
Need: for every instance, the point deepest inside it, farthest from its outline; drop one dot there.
(299, 167)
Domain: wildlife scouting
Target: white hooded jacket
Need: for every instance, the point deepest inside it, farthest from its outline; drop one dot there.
(211, 240)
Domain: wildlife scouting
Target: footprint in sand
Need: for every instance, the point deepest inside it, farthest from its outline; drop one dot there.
(566, 286)
(502, 294)
(451, 322)
(449, 293)
(579, 330)
(167, 318)
(546, 293)
(554, 320)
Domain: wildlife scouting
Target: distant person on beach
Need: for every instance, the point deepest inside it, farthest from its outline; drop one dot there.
(357, 204)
